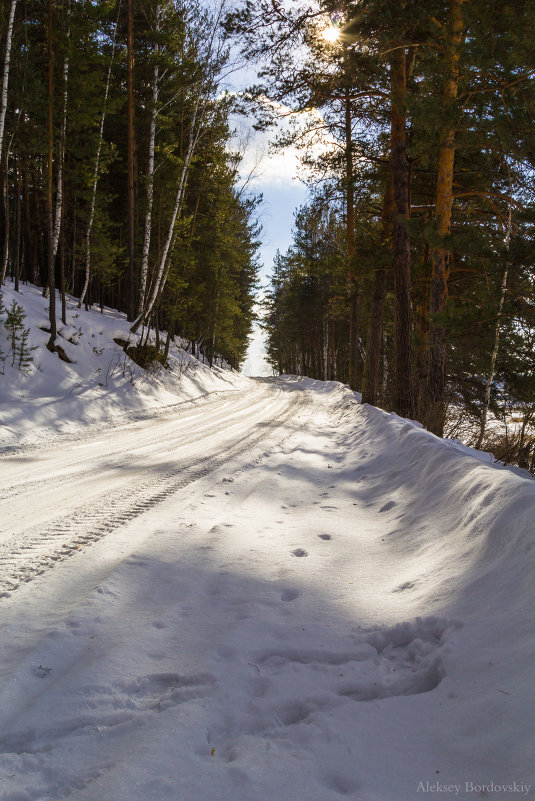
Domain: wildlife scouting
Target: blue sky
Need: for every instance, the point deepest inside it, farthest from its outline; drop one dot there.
(275, 175)
(276, 178)
(276, 214)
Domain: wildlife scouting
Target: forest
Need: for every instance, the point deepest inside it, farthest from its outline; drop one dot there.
(410, 276)
(118, 175)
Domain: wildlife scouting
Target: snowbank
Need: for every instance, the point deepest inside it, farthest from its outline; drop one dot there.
(101, 385)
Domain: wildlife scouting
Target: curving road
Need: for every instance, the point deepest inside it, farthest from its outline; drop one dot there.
(57, 499)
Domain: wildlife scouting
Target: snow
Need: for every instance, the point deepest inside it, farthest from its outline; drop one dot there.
(273, 593)
(101, 383)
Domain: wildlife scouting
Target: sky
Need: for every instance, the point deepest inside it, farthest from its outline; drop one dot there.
(276, 215)
(276, 179)
(275, 176)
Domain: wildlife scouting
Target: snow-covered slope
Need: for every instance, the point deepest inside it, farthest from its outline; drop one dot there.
(101, 385)
(279, 595)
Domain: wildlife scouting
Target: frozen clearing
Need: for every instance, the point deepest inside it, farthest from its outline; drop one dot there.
(275, 594)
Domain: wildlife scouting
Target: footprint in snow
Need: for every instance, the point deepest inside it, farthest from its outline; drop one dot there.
(385, 662)
(289, 595)
(93, 709)
(299, 552)
(325, 537)
(387, 506)
(407, 585)
(340, 784)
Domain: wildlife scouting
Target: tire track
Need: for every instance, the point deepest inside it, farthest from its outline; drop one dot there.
(75, 467)
(45, 546)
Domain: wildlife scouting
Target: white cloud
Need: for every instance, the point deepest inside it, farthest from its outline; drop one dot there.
(263, 165)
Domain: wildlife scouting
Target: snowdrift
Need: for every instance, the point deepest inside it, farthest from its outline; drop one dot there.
(460, 531)
(100, 385)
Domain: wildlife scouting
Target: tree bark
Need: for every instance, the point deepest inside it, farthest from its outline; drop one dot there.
(130, 311)
(402, 400)
(5, 212)
(370, 382)
(5, 79)
(3, 110)
(163, 267)
(61, 161)
(422, 335)
(49, 205)
(440, 257)
(18, 227)
(351, 248)
(493, 360)
(150, 181)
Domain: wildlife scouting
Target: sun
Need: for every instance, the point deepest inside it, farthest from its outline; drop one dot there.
(330, 34)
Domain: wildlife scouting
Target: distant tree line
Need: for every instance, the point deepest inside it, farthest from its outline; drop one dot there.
(118, 183)
(411, 275)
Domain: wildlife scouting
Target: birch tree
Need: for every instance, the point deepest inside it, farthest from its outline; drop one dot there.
(202, 94)
(51, 344)
(150, 174)
(61, 160)
(96, 171)
(497, 331)
(3, 110)
(5, 79)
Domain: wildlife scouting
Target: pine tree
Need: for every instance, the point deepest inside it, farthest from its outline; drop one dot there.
(14, 325)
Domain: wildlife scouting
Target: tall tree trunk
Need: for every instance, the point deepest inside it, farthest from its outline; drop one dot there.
(18, 227)
(28, 239)
(163, 266)
(169, 339)
(61, 161)
(200, 108)
(5, 79)
(370, 382)
(440, 257)
(497, 332)
(150, 180)
(493, 360)
(61, 182)
(3, 110)
(62, 290)
(130, 311)
(5, 212)
(95, 176)
(422, 336)
(403, 402)
(49, 206)
(351, 247)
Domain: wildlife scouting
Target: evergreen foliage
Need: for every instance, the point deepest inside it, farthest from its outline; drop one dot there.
(67, 107)
(428, 182)
(17, 336)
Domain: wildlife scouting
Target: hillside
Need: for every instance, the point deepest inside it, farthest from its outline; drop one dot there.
(100, 384)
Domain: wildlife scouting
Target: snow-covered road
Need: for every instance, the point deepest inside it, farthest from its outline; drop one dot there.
(272, 594)
(58, 499)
